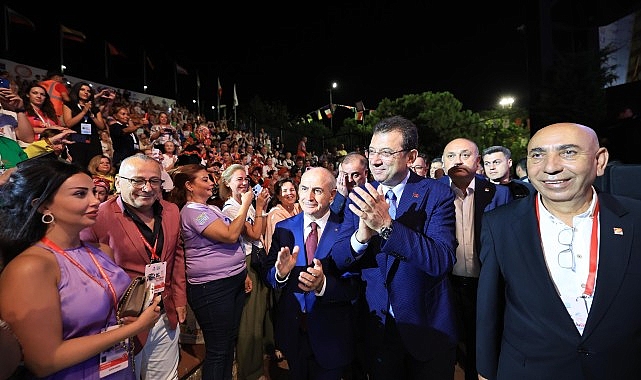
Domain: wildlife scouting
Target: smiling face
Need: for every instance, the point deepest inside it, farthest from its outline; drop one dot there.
(142, 198)
(389, 171)
(200, 187)
(288, 194)
(239, 183)
(316, 191)
(563, 161)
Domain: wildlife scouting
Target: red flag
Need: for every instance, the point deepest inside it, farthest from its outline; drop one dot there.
(113, 50)
(72, 35)
(328, 113)
(359, 115)
(16, 18)
(220, 89)
(181, 70)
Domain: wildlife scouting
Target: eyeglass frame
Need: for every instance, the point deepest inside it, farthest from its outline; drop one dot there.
(133, 181)
(384, 154)
(568, 249)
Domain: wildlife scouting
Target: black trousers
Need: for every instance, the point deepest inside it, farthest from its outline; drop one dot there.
(465, 289)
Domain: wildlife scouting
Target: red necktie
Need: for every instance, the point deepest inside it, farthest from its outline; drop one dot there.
(311, 243)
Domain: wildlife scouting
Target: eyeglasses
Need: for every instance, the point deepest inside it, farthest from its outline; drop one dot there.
(139, 183)
(565, 258)
(417, 167)
(384, 154)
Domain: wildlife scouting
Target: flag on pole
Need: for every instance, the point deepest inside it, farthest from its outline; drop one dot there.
(220, 89)
(320, 116)
(235, 97)
(151, 64)
(359, 115)
(16, 18)
(328, 113)
(114, 51)
(181, 70)
(72, 35)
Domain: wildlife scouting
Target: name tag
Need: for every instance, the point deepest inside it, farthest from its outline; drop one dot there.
(156, 273)
(116, 358)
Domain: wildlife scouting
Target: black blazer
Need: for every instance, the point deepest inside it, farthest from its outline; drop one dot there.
(523, 328)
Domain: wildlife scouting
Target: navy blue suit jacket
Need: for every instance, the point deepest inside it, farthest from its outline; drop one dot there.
(410, 269)
(523, 328)
(330, 319)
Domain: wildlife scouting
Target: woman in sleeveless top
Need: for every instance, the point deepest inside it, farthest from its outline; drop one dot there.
(58, 294)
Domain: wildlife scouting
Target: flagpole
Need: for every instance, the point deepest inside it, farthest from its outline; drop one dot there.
(106, 61)
(235, 105)
(198, 91)
(175, 82)
(6, 29)
(218, 96)
(144, 70)
(62, 65)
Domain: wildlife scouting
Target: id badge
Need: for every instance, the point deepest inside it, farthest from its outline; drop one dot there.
(115, 358)
(85, 128)
(155, 273)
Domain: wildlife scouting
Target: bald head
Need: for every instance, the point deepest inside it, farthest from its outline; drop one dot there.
(563, 161)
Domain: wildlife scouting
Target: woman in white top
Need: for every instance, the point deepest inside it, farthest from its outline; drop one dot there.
(251, 346)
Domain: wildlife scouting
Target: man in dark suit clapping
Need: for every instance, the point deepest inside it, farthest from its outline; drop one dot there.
(403, 247)
(314, 313)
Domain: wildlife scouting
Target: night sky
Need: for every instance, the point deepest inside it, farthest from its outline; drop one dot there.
(372, 49)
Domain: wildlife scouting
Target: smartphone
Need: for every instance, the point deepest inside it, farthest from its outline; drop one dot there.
(4, 83)
(77, 138)
(257, 189)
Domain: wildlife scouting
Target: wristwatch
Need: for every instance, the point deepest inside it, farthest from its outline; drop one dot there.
(385, 232)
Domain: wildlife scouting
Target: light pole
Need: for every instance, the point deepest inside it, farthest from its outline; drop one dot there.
(331, 106)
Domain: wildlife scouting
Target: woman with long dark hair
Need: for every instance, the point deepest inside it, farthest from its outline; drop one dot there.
(59, 294)
(85, 118)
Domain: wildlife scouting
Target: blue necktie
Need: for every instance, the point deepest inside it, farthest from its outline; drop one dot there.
(391, 199)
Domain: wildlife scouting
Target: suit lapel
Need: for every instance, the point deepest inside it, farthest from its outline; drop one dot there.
(131, 231)
(614, 255)
(328, 237)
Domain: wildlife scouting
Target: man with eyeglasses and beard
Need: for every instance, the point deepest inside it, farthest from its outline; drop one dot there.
(560, 298)
(144, 232)
(404, 251)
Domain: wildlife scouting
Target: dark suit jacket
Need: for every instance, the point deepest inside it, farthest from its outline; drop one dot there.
(329, 322)
(523, 328)
(487, 196)
(121, 234)
(411, 268)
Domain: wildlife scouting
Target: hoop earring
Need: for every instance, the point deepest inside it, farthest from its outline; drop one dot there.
(48, 218)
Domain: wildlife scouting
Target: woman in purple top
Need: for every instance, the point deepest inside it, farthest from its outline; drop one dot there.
(215, 261)
(58, 294)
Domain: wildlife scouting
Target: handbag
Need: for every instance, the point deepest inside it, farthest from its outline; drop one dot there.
(258, 256)
(136, 298)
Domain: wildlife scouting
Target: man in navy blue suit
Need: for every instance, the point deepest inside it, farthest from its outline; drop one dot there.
(314, 312)
(561, 297)
(404, 251)
(474, 196)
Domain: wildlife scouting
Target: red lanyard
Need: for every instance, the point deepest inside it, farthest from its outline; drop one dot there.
(45, 240)
(154, 255)
(594, 247)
